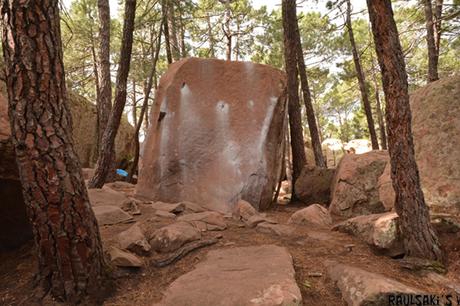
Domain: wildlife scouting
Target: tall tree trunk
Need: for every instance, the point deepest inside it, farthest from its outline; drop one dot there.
(172, 25)
(183, 46)
(212, 41)
(419, 238)
(164, 10)
(437, 25)
(383, 134)
(94, 152)
(361, 81)
(134, 101)
(104, 103)
(145, 105)
(431, 43)
(314, 134)
(106, 154)
(295, 118)
(70, 256)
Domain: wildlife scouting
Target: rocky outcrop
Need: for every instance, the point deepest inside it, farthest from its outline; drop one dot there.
(133, 239)
(314, 185)
(171, 237)
(360, 288)
(380, 231)
(436, 129)
(238, 276)
(124, 259)
(314, 214)
(216, 134)
(108, 215)
(355, 185)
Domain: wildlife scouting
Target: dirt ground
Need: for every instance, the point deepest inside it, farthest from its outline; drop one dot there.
(310, 247)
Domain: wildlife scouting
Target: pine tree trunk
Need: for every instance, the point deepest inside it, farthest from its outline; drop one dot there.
(212, 42)
(70, 256)
(172, 25)
(361, 81)
(106, 155)
(104, 103)
(134, 101)
(419, 238)
(311, 119)
(164, 9)
(295, 118)
(383, 134)
(433, 55)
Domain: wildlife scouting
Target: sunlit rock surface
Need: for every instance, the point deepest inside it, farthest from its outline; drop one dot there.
(216, 134)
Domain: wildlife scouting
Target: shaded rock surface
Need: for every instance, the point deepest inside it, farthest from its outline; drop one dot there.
(106, 196)
(314, 214)
(275, 229)
(314, 185)
(380, 231)
(122, 258)
(238, 276)
(108, 215)
(133, 239)
(219, 136)
(355, 185)
(361, 288)
(212, 219)
(169, 207)
(171, 237)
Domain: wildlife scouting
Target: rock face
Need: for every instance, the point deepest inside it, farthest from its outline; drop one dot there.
(216, 135)
(380, 231)
(355, 185)
(238, 276)
(171, 237)
(436, 130)
(361, 288)
(108, 215)
(314, 214)
(314, 185)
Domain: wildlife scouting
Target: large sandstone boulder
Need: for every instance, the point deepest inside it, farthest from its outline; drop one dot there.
(355, 185)
(244, 276)
(216, 134)
(314, 185)
(436, 130)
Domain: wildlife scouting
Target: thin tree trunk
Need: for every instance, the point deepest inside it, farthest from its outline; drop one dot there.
(212, 42)
(172, 25)
(164, 9)
(134, 101)
(106, 154)
(183, 46)
(145, 104)
(437, 27)
(104, 103)
(431, 43)
(295, 119)
(361, 81)
(419, 237)
(383, 134)
(311, 119)
(94, 153)
(70, 256)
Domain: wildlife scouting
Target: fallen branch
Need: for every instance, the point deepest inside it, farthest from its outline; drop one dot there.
(184, 251)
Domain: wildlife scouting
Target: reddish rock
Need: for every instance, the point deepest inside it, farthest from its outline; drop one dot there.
(385, 186)
(355, 185)
(171, 237)
(216, 134)
(314, 185)
(243, 210)
(314, 214)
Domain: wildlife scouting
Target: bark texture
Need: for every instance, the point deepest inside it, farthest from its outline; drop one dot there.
(433, 54)
(295, 119)
(361, 81)
(164, 10)
(106, 154)
(419, 237)
(70, 256)
(311, 118)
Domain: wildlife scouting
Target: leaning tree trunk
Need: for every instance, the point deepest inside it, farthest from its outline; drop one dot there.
(70, 256)
(104, 102)
(295, 118)
(145, 104)
(433, 55)
(361, 81)
(106, 153)
(312, 126)
(419, 238)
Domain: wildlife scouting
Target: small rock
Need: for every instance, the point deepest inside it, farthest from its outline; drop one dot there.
(192, 207)
(313, 214)
(124, 259)
(169, 207)
(165, 214)
(243, 210)
(256, 219)
(213, 220)
(108, 215)
(275, 229)
(133, 239)
(131, 206)
(171, 237)
(106, 196)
